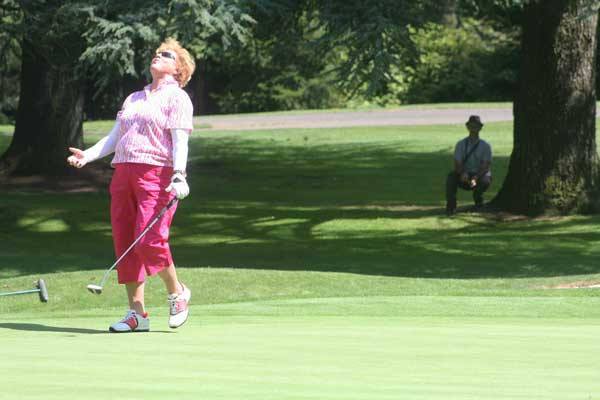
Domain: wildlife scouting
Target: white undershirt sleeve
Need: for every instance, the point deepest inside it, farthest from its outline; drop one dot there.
(180, 148)
(104, 146)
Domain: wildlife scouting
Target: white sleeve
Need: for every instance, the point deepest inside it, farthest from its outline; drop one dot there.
(104, 146)
(180, 148)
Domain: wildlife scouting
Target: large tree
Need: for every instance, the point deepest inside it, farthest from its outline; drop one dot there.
(554, 159)
(64, 42)
(49, 113)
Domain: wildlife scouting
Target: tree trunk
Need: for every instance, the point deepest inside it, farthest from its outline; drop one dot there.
(554, 160)
(199, 85)
(449, 16)
(49, 117)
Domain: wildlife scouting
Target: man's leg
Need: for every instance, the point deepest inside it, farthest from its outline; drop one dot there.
(482, 186)
(451, 188)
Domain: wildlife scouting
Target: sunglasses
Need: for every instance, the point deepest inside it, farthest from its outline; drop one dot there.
(166, 54)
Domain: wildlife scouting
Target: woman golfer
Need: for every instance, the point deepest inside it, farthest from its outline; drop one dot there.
(150, 142)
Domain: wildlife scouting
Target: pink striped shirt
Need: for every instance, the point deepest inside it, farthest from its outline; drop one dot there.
(145, 121)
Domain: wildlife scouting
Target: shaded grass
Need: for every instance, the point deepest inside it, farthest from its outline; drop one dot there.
(362, 201)
(358, 200)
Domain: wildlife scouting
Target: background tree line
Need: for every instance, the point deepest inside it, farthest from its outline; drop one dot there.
(287, 57)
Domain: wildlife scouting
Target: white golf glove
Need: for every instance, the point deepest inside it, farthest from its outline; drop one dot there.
(178, 185)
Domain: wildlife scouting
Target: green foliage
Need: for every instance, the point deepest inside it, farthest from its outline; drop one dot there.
(121, 37)
(374, 37)
(109, 53)
(53, 29)
(386, 61)
(470, 63)
(279, 68)
(281, 92)
(500, 14)
(282, 54)
(10, 61)
(207, 26)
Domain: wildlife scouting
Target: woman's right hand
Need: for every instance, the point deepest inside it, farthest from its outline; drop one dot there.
(77, 159)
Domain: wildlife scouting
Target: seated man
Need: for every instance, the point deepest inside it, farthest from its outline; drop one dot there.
(472, 160)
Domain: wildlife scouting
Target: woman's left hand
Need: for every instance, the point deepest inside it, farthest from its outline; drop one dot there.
(178, 186)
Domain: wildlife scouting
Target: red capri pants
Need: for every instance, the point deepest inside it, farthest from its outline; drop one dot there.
(137, 196)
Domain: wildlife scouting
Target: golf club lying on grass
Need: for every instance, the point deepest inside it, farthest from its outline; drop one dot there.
(41, 290)
(97, 289)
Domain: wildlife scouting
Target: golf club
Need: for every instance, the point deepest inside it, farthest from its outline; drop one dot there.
(41, 290)
(97, 289)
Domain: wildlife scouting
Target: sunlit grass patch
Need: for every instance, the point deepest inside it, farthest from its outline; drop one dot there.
(42, 225)
(382, 227)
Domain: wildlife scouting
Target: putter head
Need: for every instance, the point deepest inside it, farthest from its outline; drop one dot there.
(96, 289)
(43, 293)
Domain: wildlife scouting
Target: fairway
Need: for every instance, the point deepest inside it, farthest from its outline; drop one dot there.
(322, 266)
(294, 350)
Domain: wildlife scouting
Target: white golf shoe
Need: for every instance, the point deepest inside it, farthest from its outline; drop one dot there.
(132, 322)
(178, 307)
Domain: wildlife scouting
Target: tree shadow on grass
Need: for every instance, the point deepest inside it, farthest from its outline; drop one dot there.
(392, 243)
(371, 209)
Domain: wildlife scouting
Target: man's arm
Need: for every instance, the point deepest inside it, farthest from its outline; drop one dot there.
(459, 169)
(484, 167)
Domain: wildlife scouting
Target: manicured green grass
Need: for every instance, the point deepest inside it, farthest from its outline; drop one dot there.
(321, 267)
(356, 348)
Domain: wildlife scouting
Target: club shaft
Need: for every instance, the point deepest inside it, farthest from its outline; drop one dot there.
(140, 236)
(20, 292)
